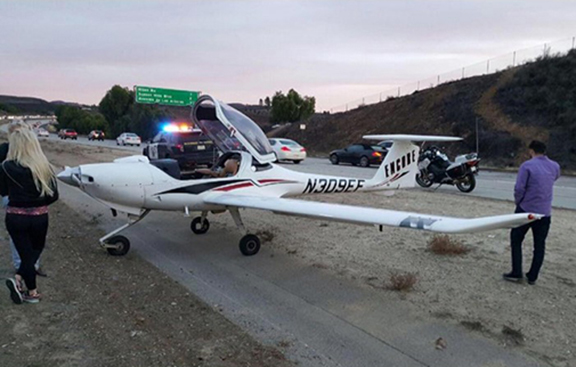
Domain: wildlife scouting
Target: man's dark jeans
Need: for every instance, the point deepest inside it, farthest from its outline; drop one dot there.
(540, 232)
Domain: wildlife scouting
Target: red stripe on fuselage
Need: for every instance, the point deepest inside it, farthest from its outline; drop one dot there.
(234, 187)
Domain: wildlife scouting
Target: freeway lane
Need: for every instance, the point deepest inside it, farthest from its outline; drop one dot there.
(82, 140)
(490, 184)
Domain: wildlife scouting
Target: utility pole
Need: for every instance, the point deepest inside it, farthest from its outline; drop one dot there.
(477, 138)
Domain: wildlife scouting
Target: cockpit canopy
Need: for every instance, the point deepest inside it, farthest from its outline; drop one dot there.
(230, 129)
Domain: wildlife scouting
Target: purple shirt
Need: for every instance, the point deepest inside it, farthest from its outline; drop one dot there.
(534, 185)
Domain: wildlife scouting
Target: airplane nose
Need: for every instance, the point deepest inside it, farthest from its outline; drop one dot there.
(69, 176)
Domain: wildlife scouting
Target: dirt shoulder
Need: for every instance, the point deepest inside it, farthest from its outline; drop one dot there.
(101, 311)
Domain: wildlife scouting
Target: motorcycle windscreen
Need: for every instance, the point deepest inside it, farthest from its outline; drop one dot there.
(230, 129)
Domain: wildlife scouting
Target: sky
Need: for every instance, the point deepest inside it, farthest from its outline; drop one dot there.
(241, 51)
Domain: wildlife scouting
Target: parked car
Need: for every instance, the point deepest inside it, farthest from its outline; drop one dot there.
(288, 150)
(96, 135)
(190, 148)
(359, 154)
(68, 134)
(42, 133)
(128, 139)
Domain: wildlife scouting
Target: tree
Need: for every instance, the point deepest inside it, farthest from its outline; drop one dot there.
(267, 102)
(123, 114)
(261, 102)
(73, 117)
(116, 103)
(291, 107)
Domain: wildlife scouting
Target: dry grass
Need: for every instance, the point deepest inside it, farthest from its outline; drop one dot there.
(513, 335)
(265, 235)
(402, 282)
(445, 245)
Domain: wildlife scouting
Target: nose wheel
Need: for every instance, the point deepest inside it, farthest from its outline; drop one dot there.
(200, 225)
(117, 245)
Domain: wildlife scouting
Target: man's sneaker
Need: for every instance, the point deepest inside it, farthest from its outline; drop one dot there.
(530, 281)
(14, 292)
(512, 278)
(28, 298)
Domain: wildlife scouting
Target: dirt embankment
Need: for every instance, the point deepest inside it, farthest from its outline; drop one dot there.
(100, 311)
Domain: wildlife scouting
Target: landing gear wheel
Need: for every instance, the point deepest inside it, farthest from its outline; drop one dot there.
(334, 159)
(249, 245)
(364, 162)
(199, 227)
(122, 245)
(468, 184)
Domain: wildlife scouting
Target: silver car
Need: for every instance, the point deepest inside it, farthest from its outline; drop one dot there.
(288, 150)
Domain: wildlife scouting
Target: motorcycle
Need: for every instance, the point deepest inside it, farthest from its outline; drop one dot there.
(435, 167)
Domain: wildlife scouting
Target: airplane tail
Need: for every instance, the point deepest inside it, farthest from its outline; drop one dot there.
(400, 166)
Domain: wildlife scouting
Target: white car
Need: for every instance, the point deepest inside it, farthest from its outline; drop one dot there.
(128, 139)
(288, 150)
(42, 133)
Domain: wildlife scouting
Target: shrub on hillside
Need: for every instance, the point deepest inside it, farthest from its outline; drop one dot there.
(543, 93)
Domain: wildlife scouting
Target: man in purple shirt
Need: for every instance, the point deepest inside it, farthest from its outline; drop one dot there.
(533, 193)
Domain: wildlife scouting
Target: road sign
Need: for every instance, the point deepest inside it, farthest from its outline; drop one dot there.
(169, 97)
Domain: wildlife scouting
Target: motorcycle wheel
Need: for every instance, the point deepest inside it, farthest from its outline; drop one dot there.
(423, 180)
(467, 184)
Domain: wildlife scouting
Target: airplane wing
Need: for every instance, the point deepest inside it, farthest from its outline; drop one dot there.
(372, 216)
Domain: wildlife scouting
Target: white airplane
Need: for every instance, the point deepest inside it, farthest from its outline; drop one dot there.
(135, 186)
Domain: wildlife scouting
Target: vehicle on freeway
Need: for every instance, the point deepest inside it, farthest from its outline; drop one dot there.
(96, 135)
(359, 154)
(128, 139)
(386, 144)
(134, 185)
(435, 167)
(189, 147)
(288, 150)
(42, 133)
(68, 134)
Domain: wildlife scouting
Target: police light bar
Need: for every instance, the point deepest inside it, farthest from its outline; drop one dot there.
(175, 127)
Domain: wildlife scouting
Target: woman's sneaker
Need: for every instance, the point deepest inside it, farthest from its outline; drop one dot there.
(14, 292)
(28, 298)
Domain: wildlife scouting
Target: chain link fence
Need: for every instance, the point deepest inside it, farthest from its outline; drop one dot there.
(489, 66)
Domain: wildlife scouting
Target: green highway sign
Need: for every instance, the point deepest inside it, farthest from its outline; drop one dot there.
(169, 97)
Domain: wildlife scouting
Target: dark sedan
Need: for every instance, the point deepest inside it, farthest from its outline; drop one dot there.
(359, 154)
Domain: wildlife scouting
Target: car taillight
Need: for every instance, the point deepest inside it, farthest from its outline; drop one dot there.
(180, 147)
(285, 149)
(376, 154)
(302, 150)
(472, 163)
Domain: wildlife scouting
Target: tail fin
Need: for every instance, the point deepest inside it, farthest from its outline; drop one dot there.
(400, 166)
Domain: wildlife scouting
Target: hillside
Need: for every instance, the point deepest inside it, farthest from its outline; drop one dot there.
(25, 105)
(513, 107)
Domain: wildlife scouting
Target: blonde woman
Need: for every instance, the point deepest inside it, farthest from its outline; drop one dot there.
(30, 183)
(18, 124)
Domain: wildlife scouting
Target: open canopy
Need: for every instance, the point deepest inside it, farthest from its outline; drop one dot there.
(230, 129)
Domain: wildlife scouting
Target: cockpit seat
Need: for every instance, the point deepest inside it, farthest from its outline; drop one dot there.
(170, 166)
